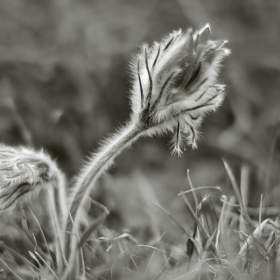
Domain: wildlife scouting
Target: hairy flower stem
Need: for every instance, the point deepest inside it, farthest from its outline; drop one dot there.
(100, 162)
(174, 87)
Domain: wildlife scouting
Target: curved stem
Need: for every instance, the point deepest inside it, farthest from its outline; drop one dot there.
(100, 162)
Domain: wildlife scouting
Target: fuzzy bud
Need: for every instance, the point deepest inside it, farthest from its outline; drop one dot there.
(175, 84)
(22, 172)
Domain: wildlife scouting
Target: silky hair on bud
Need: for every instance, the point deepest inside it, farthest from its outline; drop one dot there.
(23, 171)
(175, 84)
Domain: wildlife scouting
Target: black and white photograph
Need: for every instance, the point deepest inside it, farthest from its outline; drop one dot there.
(139, 140)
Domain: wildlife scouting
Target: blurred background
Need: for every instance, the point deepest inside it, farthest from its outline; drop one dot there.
(64, 86)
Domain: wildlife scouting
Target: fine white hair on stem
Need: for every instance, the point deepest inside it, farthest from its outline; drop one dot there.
(23, 171)
(174, 85)
(100, 161)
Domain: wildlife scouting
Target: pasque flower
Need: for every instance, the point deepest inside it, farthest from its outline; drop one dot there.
(23, 171)
(174, 86)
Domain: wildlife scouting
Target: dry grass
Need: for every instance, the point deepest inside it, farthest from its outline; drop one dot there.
(225, 242)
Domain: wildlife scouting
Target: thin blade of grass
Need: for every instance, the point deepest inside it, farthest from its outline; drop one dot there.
(35, 259)
(173, 219)
(92, 228)
(220, 223)
(150, 260)
(100, 205)
(200, 188)
(244, 190)
(43, 236)
(130, 255)
(238, 195)
(193, 189)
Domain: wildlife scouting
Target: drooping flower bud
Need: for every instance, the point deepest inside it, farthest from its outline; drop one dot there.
(175, 84)
(22, 172)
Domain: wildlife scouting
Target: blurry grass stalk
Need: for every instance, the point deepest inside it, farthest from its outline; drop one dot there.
(244, 189)
(238, 195)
